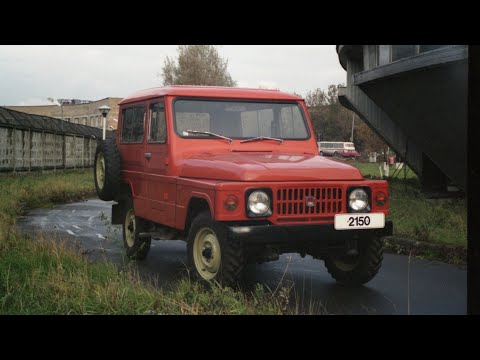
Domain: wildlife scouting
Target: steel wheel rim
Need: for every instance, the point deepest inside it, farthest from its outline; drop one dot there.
(100, 170)
(207, 253)
(130, 228)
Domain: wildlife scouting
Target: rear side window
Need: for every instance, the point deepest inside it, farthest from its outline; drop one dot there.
(158, 128)
(133, 125)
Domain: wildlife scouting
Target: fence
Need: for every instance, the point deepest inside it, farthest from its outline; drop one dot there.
(33, 142)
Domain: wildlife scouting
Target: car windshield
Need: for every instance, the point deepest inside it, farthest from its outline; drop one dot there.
(240, 119)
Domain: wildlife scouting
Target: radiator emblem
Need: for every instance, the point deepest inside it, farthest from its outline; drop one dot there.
(310, 201)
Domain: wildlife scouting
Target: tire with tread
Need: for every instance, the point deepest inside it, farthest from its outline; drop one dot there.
(233, 259)
(364, 269)
(141, 246)
(110, 186)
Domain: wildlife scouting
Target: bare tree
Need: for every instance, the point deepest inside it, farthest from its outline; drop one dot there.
(197, 65)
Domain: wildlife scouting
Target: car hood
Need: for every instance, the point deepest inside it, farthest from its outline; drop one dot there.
(266, 167)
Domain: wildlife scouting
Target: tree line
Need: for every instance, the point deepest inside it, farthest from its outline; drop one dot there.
(203, 65)
(333, 122)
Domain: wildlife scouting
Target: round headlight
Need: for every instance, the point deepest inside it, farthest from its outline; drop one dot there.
(258, 203)
(358, 199)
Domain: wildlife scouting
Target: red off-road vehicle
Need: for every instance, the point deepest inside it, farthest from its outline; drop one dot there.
(236, 174)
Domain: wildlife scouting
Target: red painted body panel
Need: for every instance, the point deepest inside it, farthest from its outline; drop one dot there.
(266, 167)
(212, 169)
(208, 91)
(238, 189)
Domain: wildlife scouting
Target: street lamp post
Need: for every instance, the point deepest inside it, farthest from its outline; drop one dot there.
(104, 109)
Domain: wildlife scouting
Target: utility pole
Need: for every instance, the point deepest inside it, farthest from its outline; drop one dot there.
(353, 124)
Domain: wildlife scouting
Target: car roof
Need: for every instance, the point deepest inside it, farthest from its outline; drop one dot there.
(209, 92)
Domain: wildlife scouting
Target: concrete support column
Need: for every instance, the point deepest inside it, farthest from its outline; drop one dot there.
(43, 150)
(74, 151)
(64, 151)
(29, 150)
(14, 150)
(55, 152)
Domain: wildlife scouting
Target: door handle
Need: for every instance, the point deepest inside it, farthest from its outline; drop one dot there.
(148, 156)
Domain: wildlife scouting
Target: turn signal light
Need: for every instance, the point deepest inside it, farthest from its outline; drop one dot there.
(231, 203)
(380, 198)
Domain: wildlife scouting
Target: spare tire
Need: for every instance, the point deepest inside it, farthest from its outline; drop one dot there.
(106, 170)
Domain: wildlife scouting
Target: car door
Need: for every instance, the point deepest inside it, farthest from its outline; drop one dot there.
(132, 152)
(160, 186)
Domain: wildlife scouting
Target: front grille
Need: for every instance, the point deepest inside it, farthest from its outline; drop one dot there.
(293, 201)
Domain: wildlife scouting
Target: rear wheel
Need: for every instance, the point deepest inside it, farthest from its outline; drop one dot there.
(107, 169)
(212, 255)
(136, 247)
(357, 269)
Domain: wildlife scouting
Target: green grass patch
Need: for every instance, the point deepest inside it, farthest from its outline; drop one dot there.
(439, 221)
(44, 276)
(372, 170)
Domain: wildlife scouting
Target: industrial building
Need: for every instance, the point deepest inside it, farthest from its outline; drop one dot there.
(415, 98)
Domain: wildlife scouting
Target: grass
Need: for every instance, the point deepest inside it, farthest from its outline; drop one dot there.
(439, 221)
(372, 170)
(45, 276)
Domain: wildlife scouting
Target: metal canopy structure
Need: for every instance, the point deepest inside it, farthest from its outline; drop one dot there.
(20, 120)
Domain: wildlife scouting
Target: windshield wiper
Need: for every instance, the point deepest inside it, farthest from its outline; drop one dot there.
(209, 133)
(262, 138)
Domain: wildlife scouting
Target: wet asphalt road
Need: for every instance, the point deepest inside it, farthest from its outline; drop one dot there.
(435, 287)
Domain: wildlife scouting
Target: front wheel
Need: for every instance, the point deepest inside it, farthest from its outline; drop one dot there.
(212, 255)
(136, 247)
(357, 269)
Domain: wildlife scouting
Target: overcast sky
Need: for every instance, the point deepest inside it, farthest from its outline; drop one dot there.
(31, 74)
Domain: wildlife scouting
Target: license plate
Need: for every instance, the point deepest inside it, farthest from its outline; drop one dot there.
(359, 221)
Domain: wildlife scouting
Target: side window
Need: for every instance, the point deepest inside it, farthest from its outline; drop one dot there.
(402, 51)
(424, 48)
(158, 127)
(133, 125)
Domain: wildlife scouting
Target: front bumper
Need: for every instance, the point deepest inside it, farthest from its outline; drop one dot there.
(301, 234)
